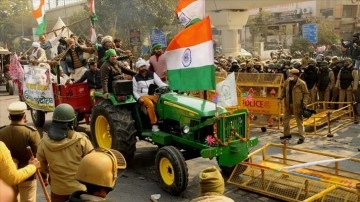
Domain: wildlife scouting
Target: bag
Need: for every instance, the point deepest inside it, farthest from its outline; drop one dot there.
(152, 88)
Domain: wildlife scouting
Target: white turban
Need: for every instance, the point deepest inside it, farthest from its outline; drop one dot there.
(36, 44)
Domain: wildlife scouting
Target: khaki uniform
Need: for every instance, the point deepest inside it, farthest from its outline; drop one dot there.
(346, 94)
(9, 172)
(17, 138)
(61, 160)
(324, 94)
(300, 96)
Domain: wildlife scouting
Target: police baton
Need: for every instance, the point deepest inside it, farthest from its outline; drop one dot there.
(39, 176)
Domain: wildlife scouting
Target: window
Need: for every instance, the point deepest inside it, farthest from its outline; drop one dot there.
(349, 11)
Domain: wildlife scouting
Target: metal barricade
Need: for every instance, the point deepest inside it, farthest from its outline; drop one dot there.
(334, 181)
(256, 92)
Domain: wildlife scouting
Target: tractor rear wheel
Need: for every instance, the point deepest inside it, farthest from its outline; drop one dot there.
(113, 127)
(172, 170)
(38, 117)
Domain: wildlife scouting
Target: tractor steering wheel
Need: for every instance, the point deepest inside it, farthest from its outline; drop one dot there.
(162, 90)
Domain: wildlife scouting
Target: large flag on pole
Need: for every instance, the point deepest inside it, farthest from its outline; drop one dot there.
(190, 58)
(39, 15)
(93, 20)
(190, 11)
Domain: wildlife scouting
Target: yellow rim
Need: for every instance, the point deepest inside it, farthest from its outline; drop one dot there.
(166, 171)
(102, 132)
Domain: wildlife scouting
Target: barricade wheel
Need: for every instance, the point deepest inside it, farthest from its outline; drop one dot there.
(172, 170)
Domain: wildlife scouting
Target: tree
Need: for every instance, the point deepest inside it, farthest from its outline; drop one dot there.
(117, 18)
(300, 44)
(15, 22)
(258, 26)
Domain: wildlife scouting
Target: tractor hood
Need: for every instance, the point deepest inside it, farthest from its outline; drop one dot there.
(195, 106)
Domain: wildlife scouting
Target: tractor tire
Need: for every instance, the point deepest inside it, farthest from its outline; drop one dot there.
(113, 127)
(171, 170)
(10, 87)
(38, 117)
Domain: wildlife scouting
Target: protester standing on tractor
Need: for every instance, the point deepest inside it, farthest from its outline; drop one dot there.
(74, 57)
(157, 62)
(60, 152)
(112, 70)
(17, 136)
(38, 54)
(296, 95)
(143, 89)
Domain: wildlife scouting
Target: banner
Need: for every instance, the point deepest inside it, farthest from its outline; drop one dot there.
(38, 91)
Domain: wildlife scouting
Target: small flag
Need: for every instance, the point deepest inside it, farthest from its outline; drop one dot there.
(39, 15)
(215, 97)
(227, 91)
(93, 19)
(190, 11)
(190, 58)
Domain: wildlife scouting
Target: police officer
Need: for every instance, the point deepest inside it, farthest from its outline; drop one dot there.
(325, 83)
(311, 77)
(60, 152)
(296, 96)
(347, 82)
(335, 65)
(258, 67)
(101, 178)
(17, 136)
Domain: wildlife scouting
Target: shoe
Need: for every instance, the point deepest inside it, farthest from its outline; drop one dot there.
(155, 128)
(300, 141)
(285, 137)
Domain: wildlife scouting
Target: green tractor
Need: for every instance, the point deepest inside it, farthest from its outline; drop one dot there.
(190, 127)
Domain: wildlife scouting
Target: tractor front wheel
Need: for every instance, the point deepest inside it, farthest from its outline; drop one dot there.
(113, 127)
(172, 170)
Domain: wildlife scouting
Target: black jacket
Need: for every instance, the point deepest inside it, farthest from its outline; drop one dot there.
(92, 78)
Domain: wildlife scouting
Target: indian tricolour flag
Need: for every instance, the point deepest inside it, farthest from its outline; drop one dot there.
(190, 11)
(190, 58)
(39, 15)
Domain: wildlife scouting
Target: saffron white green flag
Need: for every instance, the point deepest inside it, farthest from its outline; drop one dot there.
(39, 15)
(227, 91)
(190, 58)
(190, 11)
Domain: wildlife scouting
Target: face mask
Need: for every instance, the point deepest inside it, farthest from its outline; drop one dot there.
(291, 78)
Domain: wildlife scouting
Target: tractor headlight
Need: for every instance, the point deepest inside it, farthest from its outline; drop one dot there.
(186, 129)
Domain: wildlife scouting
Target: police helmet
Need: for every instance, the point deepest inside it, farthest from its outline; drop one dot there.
(312, 61)
(324, 63)
(64, 113)
(100, 168)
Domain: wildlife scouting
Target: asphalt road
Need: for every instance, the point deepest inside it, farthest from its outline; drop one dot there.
(138, 182)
